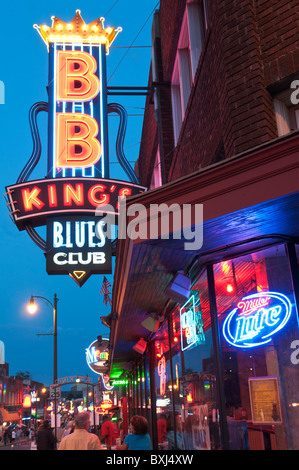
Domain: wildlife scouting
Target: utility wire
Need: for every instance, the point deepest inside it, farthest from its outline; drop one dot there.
(111, 8)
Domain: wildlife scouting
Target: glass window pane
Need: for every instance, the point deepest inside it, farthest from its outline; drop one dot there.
(194, 373)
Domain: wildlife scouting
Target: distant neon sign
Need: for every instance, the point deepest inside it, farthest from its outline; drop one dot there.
(162, 375)
(97, 356)
(33, 202)
(106, 405)
(256, 319)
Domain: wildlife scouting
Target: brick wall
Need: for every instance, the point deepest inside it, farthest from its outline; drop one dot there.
(149, 141)
(278, 28)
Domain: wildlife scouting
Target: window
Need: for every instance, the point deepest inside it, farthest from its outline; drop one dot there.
(194, 371)
(163, 383)
(156, 175)
(193, 30)
(258, 323)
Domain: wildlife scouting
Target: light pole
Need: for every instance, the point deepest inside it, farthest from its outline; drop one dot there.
(32, 309)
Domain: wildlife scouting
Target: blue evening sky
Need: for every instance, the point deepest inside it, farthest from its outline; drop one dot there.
(24, 72)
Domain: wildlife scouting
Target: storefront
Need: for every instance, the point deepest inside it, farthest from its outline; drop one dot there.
(222, 370)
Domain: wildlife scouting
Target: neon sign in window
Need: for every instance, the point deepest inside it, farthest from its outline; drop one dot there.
(191, 324)
(256, 319)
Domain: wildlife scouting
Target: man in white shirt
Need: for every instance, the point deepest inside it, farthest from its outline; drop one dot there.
(81, 439)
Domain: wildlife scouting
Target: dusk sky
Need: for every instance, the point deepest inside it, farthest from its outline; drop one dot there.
(24, 72)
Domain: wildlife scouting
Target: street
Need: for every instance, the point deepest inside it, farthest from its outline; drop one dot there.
(18, 445)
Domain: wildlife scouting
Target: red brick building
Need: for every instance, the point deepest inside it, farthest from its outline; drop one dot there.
(231, 94)
(11, 396)
(220, 131)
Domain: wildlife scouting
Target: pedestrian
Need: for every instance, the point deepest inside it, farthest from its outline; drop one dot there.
(68, 429)
(45, 439)
(162, 428)
(59, 433)
(109, 432)
(139, 439)
(13, 436)
(81, 439)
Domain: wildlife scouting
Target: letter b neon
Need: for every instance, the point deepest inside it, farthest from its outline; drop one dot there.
(77, 146)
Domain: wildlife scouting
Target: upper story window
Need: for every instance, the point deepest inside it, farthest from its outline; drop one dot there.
(193, 30)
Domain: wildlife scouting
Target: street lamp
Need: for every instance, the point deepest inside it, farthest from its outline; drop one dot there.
(32, 309)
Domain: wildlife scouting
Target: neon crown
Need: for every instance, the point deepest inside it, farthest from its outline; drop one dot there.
(78, 31)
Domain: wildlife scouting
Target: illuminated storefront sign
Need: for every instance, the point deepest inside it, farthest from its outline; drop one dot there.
(191, 324)
(97, 355)
(256, 319)
(77, 246)
(119, 382)
(34, 201)
(105, 405)
(77, 182)
(162, 374)
(26, 401)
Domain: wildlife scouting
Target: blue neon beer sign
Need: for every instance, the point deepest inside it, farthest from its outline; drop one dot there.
(256, 319)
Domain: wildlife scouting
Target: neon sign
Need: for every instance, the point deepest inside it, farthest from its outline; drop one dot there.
(191, 324)
(162, 374)
(77, 181)
(35, 201)
(105, 405)
(256, 319)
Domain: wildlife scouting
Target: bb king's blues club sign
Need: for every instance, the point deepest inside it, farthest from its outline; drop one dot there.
(256, 319)
(77, 185)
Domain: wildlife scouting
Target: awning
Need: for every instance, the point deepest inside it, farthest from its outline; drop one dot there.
(8, 417)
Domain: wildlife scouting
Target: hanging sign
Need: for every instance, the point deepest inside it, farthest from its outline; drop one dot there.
(77, 182)
(256, 319)
(97, 355)
(33, 202)
(105, 405)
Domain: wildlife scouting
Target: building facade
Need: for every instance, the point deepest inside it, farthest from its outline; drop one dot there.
(11, 396)
(218, 360)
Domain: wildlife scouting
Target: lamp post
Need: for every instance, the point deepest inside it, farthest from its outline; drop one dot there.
(32, 309)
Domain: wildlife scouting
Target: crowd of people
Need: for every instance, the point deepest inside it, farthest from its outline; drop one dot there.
(78, 434)
(11, 434)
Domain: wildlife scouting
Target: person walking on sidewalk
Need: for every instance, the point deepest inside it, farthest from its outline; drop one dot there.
(81, 439)
(45, 439)
(109, 432)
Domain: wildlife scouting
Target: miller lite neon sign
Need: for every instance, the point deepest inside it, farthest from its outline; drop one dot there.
(256, 319)
(77, 182)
